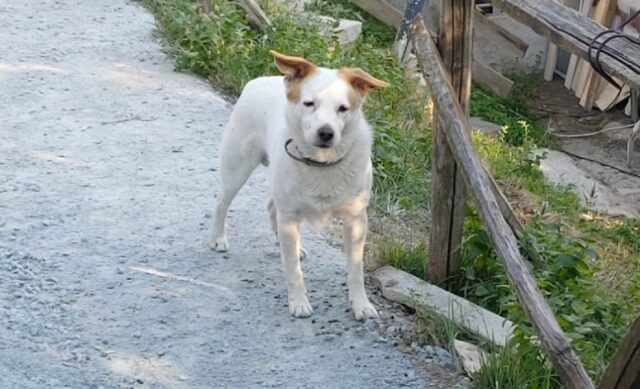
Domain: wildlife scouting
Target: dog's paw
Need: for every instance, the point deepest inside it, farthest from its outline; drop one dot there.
(300, 307)
(303, 253)
(219, 243)
(364, 310)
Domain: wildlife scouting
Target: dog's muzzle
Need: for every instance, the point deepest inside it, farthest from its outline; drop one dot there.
(325, 136)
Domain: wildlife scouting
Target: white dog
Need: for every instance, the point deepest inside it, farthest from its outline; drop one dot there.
(309, 128)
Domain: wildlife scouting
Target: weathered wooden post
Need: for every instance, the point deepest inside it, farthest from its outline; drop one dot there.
(456, 129)
(447, 187)
(206, 6)
(624, 368)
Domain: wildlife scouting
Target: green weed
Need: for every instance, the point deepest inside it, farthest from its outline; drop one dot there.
(518, 365)
(567, 277)
(372, 29)
(509, 112)
(402, 256)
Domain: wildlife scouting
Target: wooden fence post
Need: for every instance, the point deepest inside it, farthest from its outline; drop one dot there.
(447, 186)
(624, 368)
(456, 130)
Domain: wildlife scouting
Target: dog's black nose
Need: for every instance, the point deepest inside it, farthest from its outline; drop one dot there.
(325, 133)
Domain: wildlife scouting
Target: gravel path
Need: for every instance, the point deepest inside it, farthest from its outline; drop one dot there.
(107, 174)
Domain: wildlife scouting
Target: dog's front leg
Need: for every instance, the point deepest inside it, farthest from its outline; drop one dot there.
(289, 237)
(271, 207)
(355, 233)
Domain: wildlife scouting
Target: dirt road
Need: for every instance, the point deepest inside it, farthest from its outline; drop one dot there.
(107, 178)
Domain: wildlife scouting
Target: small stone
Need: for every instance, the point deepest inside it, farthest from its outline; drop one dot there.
(380, 339)
(470, 355)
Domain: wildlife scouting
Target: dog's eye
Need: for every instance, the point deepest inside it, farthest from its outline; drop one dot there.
(308, 104)
(343, 108)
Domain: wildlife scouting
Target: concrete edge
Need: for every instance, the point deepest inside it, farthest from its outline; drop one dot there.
(404, 288)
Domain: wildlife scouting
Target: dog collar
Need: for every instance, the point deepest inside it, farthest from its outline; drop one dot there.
(308, 161)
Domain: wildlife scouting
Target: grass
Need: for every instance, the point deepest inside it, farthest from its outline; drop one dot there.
(590, 271)
(397, 254)
(515, 366)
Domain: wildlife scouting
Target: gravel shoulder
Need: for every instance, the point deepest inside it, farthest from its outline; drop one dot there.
(107, 173)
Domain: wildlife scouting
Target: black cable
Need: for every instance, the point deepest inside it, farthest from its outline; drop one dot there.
(607, 50)
(632, 174)
(601, 47)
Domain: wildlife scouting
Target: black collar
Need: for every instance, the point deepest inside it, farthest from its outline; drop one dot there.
(309, 161)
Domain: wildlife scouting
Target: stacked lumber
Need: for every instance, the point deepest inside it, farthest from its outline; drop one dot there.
(489, 39)
(589, 87)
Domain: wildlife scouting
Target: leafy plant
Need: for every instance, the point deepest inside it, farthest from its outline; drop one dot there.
(566, 276)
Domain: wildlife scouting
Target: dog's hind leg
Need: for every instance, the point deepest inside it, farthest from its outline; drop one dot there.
(274, 226)
(235, 169)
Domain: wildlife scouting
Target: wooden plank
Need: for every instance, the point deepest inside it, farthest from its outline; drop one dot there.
(492, 46)
(610, 96)
(255, 15)
(573, 32)
(551, 60)
(456, 125)
(409, 290)
(447, 185)
(550, 63)
(580, 77)
(585, 6)
(481, 22)
(592, 90)
(573, 60)
(634, 105)
(490, 79)
(205, 6)
(603, 14)
(624, 368)
(381, 10)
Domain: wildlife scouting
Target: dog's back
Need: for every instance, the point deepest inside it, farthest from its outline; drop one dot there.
(260, 107)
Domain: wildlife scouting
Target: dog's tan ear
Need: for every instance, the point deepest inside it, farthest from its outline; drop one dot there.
(361, 80)
(293, 68)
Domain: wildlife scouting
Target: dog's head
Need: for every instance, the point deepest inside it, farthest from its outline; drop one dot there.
(324, 101)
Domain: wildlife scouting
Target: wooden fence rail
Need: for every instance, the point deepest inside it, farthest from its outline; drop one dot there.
(572, 31)
(456, 128)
